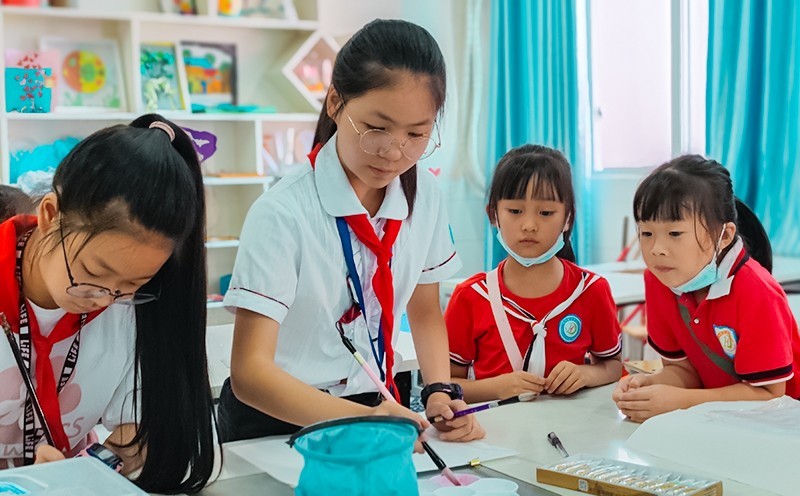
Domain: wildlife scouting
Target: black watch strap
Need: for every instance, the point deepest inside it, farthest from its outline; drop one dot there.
(449, 388)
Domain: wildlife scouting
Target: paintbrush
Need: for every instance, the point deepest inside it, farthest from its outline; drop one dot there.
(492, 404)
(388, 397)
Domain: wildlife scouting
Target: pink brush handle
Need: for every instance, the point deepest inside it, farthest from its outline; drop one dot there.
(374, 377)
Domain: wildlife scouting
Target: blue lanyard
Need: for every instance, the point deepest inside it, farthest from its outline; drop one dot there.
(344, 236)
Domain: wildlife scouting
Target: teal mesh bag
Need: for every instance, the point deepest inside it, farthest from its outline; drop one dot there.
(358, 456)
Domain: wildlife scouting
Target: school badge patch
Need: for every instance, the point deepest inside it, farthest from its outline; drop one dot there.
(570, 328)
(727, 338)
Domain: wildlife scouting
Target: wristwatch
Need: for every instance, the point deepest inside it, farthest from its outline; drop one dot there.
(449, 388)
(105, 455)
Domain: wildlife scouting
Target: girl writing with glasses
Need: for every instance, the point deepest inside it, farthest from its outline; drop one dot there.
(343, 247)
(102, 294)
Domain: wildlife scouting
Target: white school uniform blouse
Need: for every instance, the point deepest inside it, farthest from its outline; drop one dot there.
(290, 267)
(100, 389)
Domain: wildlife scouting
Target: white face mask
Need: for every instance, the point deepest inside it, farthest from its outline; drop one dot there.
(528, 262)
(707, 276)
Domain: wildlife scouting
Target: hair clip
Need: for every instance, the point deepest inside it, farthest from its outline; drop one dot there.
(164, 127)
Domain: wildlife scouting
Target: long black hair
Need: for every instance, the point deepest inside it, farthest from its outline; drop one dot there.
(694, 185)
(367, 61)
(128, 178)
(551, 174)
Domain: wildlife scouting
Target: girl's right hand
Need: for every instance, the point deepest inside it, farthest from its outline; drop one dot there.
(46, 453)
(398, 410)
(631, 382)
(516, 383)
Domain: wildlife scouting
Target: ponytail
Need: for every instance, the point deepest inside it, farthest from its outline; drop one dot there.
(176, 424)
(753, 235)
(567, 253)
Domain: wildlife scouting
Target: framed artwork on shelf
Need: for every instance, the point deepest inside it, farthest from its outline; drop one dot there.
(38, 60)
(186, 7)
(26, 91)
(311, 68)
(210, 72)
(163, 77)
(88, 75)
(277, 9)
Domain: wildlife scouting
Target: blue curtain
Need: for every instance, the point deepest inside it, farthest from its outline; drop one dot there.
(538, 92)
(753, 109)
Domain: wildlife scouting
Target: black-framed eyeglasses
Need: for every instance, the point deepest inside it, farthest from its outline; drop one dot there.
(93, 291)
(378, 142)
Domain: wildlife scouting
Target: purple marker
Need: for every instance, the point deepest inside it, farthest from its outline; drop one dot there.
(492, 404)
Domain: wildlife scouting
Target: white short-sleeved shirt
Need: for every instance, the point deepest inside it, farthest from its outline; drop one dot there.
(291, 267)
(100, 389)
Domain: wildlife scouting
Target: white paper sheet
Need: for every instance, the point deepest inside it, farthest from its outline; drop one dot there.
(275, 457)
(753, 442)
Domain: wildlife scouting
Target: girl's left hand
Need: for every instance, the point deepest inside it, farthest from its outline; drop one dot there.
(565, 378)
(644, 402)
(46, 453)
(461, 429)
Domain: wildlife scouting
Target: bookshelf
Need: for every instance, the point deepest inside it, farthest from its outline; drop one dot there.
(253, 148)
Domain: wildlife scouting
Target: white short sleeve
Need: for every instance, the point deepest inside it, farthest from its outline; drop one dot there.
(442, 261)
(120, 409)
(267, 264)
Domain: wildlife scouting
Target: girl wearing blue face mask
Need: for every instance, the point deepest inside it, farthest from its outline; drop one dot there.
(527, 325)
(718, 318)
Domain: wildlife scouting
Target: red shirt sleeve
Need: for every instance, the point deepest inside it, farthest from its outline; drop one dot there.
(459, 322)
(605, 324)
(765, 327)
(661, 301)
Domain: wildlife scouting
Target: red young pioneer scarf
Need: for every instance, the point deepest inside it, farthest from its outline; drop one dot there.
(382, 281)
(68, 326)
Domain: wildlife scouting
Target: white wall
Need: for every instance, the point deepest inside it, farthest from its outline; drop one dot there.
(342, 19)
(465, 201)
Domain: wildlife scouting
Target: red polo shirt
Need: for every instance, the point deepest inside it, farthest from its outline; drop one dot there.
(475, 340)
(745, 317)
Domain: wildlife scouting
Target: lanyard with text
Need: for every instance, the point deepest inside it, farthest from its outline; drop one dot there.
(46, 389)
(344, 236)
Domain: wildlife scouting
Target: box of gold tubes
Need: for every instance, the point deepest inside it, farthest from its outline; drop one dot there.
(602, 476)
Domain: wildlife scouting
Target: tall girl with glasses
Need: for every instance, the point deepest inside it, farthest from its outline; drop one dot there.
(344, 247)
(124, 224)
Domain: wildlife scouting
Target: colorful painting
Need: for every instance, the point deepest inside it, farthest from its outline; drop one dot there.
(26, 91)
(186, 7)
(89, 74)
(42, 60)
(210, 72)
(163, 77)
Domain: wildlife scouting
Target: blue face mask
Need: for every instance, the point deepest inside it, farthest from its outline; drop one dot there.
(527, 262)
(707, 276)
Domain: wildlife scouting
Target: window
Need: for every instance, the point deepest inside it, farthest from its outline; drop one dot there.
(648, 80)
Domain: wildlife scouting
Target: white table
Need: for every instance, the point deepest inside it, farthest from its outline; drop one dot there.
(587, 422)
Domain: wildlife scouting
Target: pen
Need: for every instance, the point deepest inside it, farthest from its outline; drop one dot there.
(556, 443)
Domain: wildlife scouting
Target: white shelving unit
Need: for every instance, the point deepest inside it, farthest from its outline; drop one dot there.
(240, 171)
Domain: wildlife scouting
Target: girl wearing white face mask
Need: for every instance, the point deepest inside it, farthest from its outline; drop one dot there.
(528, 325)
(715, 314)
